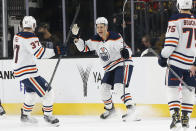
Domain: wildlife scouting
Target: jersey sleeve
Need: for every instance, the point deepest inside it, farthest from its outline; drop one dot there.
(171, 39)
(35, 48)
(84, 46)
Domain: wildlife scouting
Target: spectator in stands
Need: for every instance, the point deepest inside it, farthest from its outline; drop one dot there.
(115, 24)
(147, 42)
(46, 37)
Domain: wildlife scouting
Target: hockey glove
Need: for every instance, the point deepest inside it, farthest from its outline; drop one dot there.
(75, 31)
(162, 61)
(59, 50)
(124, 53)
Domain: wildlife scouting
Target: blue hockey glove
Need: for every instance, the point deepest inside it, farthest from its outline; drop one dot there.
(124, 53)
(162, 61)
(59, 50)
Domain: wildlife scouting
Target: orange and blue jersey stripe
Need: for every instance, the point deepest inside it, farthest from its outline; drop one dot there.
(187, 107)
(39, 53)
(171, 41)
(30, 69)
(182, 58)
(27, 108)
(126, 97)
(126, 74)
(48, 108)
(114, 63)
(181, 19)
(37, 86)
(173, 105)
(107, 102)
(29, 37)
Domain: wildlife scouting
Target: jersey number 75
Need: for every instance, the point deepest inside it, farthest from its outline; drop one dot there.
(190, 37)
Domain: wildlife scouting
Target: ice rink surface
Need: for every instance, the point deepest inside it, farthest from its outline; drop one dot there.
(89, 123)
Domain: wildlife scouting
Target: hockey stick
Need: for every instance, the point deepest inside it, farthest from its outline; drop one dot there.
(124, 47)
(168, 66)
(65, 44)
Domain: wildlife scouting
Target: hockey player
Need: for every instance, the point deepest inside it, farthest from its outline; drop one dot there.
(109, 47)
(180, 38)
(26, 48)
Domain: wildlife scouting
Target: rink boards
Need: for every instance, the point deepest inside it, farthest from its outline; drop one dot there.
(76, 86)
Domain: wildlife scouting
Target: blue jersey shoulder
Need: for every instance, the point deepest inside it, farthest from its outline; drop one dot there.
(26, 34)
(114, 36)
(181, 15)
(96, 38)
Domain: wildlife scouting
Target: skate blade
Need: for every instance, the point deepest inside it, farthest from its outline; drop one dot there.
(178, 127)
(185, 129)
(137, 119)
(131, 117)
(53, 125)
(56, 124)
(113, 114)
(3, 116)
(29, 123)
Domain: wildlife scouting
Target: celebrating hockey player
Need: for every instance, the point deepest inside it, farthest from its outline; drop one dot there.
(177, 51)
(116, 61)
(26, 48)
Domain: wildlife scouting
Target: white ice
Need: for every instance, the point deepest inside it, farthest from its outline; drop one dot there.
(90, 123)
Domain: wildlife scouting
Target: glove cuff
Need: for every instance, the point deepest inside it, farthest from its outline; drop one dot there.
(75, 36)
(162, 57)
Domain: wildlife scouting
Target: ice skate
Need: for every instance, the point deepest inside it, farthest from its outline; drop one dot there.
(130, 114)
(51, 120)
(176, 123)
(185, 122)
(108, 113)
(27, 118)
(2, 111)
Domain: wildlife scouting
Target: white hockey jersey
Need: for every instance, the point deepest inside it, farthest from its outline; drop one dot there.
(180, 41)
(108, 51)
(27, 49)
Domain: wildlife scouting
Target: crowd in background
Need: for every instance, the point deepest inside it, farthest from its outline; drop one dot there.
(150, 22)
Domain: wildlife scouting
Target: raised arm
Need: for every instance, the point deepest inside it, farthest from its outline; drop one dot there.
(82, 46)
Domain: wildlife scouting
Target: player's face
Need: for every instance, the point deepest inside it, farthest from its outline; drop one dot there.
(102, 29)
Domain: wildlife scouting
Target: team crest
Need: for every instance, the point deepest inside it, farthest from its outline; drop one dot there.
(104, 54)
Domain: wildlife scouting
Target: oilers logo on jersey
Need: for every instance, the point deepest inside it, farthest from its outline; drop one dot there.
(104, 54)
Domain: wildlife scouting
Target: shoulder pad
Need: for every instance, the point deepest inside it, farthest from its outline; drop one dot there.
(26, 35)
